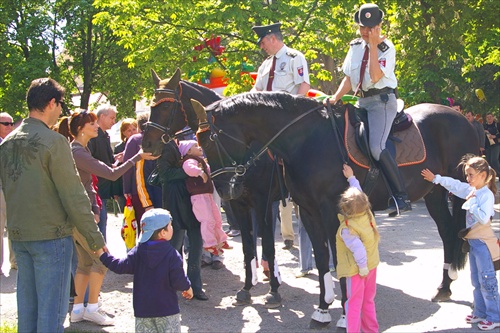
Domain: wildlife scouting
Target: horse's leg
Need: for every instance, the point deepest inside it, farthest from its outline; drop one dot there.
(437, 205)
(317, 233)
(241, 212)
(273, 298)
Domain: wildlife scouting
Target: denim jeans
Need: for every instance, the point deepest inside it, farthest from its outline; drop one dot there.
(484, 281)
(194, 257)
(44, 269)
(103, 218)
(306, 251)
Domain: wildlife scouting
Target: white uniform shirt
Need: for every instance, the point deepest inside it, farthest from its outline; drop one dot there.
(386, 60)
(289, 73)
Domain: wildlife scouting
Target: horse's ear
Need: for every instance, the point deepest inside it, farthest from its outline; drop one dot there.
(156, 78)
(199, 109)
(175, 79)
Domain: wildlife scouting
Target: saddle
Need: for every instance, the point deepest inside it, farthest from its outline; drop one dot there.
(405, 141)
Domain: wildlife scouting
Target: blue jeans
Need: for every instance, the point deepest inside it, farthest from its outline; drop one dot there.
(103, 218)
(484, 281)
(194, 257)
(306, 250)
(43, 284)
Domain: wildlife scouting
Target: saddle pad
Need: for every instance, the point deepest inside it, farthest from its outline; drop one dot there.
(409, 151)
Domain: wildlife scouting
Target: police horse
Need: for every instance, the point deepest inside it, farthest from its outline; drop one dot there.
(170, 113)
(314, 147)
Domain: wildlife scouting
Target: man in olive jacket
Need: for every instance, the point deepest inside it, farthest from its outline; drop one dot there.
(45, 201)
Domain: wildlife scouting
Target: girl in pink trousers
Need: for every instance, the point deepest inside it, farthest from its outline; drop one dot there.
(200, 186)
(358, 256)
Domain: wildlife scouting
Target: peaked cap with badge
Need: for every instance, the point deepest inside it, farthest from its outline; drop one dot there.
(368, 15)
(264, 30)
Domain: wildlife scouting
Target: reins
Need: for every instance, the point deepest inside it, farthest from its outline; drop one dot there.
(240, 170)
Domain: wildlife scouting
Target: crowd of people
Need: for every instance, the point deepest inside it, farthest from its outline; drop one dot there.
(77, 173)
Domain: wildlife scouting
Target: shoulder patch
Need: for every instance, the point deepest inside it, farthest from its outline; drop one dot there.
(356, 41)
(383, 46)
(291, 54)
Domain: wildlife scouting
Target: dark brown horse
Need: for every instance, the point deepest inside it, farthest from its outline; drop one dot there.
(171, 112)
(301, 133)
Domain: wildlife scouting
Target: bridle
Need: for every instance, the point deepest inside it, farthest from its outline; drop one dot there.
(240, 170)
(167, 135)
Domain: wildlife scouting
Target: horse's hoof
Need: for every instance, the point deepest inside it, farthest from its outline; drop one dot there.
(273, 300)
(442, 296)
(316, 325)
(243, 297)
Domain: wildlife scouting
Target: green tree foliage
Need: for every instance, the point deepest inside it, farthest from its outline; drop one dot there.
(445, 48)
(26, 44)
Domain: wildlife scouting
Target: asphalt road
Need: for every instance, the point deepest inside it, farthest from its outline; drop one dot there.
(409, 273)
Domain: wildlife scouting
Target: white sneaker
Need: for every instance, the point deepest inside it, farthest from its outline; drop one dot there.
(76, 316)
(342, 322)
(99, 317)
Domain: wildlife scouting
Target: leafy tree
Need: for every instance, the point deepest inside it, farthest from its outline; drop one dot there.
(93, 61)
(27, 41)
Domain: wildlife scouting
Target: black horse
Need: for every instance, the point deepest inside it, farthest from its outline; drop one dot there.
(171, 112)
(300, 131)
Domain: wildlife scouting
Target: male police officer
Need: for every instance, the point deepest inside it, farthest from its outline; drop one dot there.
(285, 69)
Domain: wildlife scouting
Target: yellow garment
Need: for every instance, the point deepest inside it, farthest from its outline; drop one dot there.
(358, 225)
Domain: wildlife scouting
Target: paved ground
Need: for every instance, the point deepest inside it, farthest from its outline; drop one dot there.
(408, 275)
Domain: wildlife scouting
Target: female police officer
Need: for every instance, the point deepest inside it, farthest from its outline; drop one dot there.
(369, 69)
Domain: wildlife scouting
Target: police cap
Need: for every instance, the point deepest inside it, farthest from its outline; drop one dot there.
(369, 15)
(264, 30)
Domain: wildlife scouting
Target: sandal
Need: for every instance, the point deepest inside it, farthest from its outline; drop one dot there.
(213, 250)
(487, 325)
(225, 245)
(471, 319)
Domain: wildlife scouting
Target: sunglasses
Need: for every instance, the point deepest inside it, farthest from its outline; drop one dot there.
(6, 123)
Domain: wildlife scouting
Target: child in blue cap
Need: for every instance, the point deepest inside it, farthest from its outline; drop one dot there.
(158, 274)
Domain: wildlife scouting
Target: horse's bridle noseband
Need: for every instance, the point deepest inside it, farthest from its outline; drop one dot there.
(166, 129)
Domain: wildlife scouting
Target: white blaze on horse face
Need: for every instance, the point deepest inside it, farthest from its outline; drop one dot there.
(253, 264)
(329, 292)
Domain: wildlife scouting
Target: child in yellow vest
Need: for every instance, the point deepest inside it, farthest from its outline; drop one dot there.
(358, 256)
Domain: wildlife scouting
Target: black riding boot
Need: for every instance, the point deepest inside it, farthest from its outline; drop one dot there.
(391, 172)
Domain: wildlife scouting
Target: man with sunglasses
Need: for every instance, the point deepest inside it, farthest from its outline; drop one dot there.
(45, 201)
(6, 126)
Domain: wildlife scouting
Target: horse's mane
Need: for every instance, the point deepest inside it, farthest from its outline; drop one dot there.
(246, 102)
(202, 90)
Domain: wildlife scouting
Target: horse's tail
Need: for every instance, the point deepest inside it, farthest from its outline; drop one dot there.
(459, 257)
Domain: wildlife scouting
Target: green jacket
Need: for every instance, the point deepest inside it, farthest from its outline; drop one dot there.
(44, 194)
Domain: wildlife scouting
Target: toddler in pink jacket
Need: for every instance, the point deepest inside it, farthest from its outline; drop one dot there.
(200, 186)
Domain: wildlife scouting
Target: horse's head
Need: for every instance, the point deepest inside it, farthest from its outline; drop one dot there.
(167, 116)
(227, 160)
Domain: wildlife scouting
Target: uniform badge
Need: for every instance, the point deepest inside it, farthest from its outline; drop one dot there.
(300, 70)
(382, 62)
(282, 66)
